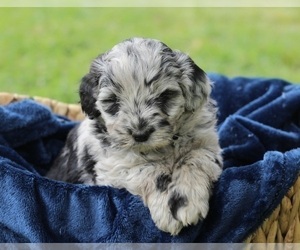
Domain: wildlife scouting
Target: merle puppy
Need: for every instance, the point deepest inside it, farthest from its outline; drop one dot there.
(150, 128)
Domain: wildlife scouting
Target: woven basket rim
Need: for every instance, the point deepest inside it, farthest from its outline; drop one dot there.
(72, 111)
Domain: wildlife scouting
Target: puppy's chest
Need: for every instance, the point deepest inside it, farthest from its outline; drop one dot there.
(126, 159)
(117, 167)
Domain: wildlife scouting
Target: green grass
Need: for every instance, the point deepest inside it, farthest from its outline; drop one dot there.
(46, 51)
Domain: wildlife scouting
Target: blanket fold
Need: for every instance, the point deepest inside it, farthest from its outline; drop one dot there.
(259, 129)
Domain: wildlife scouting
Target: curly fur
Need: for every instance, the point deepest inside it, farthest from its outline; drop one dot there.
(150, 128)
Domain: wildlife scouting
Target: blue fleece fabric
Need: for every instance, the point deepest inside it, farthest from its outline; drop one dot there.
(259, 128)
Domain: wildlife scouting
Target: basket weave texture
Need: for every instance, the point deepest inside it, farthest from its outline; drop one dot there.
(282, 226)
(72, 111)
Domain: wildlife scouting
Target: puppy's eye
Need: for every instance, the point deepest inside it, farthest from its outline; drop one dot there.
(111, 99)
(166, 99)
(111, 104)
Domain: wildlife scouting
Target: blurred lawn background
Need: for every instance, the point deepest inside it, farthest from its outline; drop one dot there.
(46, 51)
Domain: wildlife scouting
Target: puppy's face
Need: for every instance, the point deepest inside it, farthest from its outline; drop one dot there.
(139, 90)
(139, 110)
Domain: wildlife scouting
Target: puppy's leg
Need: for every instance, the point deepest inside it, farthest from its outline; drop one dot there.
(151, 182)
(191, 186)
(156, 198)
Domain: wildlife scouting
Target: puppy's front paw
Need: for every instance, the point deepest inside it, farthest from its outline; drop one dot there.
(188, 208)
(167, 223)
(161, 214)
(192, 185)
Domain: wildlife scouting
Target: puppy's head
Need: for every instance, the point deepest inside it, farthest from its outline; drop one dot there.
(140, 89)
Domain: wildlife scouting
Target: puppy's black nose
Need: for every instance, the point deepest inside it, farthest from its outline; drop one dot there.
(142, 137)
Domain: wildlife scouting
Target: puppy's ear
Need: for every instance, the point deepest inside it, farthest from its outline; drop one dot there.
(195, 85)
(88, 93)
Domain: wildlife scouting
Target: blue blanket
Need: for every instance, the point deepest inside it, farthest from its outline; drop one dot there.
(259, 128)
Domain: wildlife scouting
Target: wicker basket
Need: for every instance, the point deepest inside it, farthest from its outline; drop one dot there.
(72, 111)
(283, 224)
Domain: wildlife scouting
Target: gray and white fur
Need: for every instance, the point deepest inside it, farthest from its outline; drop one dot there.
(150, 128)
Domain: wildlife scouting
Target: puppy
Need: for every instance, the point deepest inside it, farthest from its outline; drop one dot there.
(150, 128)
